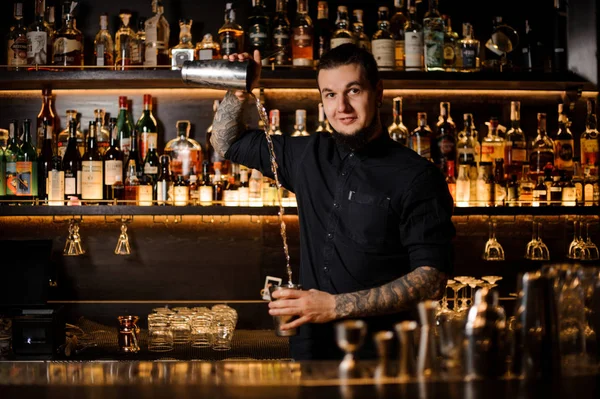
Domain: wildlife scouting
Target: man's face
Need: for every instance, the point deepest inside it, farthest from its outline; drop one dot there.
(349, 101)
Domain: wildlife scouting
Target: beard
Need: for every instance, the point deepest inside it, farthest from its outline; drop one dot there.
(358, 140)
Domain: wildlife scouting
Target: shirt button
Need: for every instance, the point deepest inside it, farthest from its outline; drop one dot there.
(336, 205)
(344, 173)
(330, 235)
(325, 269)
(351, 155)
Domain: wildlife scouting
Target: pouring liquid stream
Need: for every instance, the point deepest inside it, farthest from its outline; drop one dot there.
(262, 112)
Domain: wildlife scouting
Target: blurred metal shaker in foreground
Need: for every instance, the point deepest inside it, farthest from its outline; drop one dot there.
(220, 74)
(485, 334)
(406, 332)
(427, 361)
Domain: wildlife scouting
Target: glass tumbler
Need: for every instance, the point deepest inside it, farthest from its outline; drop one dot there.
(181, 327)
(222, 327)
(202, 333)
(160, 336)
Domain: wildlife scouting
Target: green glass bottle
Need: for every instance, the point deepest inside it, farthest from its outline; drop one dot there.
(146, 128)
(2, 175)
(27, 169)
(10, 156)
(124, 127)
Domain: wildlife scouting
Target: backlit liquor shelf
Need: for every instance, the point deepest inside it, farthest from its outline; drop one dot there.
(27, 209)
(286, 78)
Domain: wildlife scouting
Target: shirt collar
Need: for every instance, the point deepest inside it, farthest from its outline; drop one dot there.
(374, 146)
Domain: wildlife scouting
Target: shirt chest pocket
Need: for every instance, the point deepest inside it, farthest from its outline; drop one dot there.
(367, 218)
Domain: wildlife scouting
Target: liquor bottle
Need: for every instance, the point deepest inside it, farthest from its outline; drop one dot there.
(193, 188)
(72, 164)
(281, 35)
(10, 155)
(433, 38)
(185, 153)
(124, 41)
(38, 37)
(382, 42)
(145, 191)
(118, 190)
(231, 34)
(323, 123)
(446, 136)
(102, 132)
(274, 129)
(341, 33)
(397, 23)
(157, 29)
(50, 17)
(548, 178)
(450, 45)
(564, 145)
(205, 191)
(512, 191)
(463, 186)
(124, 127)
(466, 146)
(184, 50)
(244, 188)
(492, 145)
(2, 174)
(151, 164)
(516, 142)
(358, 30)
(230, 193)
(493, 56)
(68, 43)
(27, 169)
(46, 115)
(542, 148)
(589, 141)
(17, 40)
(533, 50)
(302, 37)
(255, 188)
(208, 49)
(164, 184)
(113, 161)
(420, 138)
(578, 180)
(323, 31)
(556, 191)
(450, 179)
(397, 131)
(559, 36)
(92, 173)
(485, 185)
(540, 193)
(413, 40)
(132, 183)
(104, 47)
(259, 27)
(45, 161)
(181, 192)
(139, 46)
(569, 192)
(55, 181)
(300, 126)
(590, 188)
(499, 182)
(468, 50)
(146, 127)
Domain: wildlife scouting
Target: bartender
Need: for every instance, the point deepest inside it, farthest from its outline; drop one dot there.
(375, 217)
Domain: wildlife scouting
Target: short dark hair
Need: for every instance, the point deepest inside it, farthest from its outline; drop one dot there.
(348, 54)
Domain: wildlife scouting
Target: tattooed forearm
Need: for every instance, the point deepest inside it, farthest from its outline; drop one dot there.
(401, 294)
(228, 123)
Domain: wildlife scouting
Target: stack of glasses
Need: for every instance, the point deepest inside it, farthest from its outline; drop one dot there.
(201, 327)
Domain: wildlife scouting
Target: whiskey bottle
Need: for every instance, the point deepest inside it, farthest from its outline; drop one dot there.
(125, 40)
(132, 184)
(46, 115)
(63, 136)
(516, 142)
(563, 143)
(124, 126)
(300, 126)
(164, 185)
(157, 37)
(55, 182)
(302, 36)
(466, 148)
(323, 124)
(231, 34)
(413, 40)
(281, 35)
(113, 161)
(420, 138)
(17, 40)
(38, 37)
(102, 132)
(463, 186)
(323, 31)
(45, 161)
(72, 164)
(104, 47)
(397, 131)
(274, 129)
(218, 186)
(208, 49)
(492, 145)
(450, 45)
(358, 30)
(151, 164)
(382, 42)
(259, 27)
(450, 179)
(542, 148)
(147, 128)
(540, 193)
(184, 50)
(589, 141)
(68, 43)
(244, 188)
(397, 23)
(341, 34)
(181, 192)
(92, 179)
(468, 50)
(185, 153)
(205, 190)
(578, 180)
(433, 38)
(139, 46)
(446, 136)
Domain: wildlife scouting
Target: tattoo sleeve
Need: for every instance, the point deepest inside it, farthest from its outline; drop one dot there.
(401, 294)
(228, 123)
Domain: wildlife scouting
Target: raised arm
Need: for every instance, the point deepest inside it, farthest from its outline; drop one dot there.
(228, 124)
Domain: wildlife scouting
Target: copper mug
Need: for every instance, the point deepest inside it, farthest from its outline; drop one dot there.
(129, 334)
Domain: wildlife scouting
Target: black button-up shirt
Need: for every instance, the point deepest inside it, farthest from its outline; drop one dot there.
(366, 217)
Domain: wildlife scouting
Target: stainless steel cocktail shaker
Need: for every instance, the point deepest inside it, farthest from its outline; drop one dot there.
(220, 74)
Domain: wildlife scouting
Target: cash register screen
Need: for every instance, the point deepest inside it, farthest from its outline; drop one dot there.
(25, 281)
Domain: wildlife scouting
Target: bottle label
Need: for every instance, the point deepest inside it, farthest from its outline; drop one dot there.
(469, 56)
(100, 54)
(564, 154)
(26, 178)
(446, 146)
(518, 151)
(258, 36)
(280, 38)
(399, 56)
(244, 195)
(11, 178)
(56, 187)
(125, 146)
(150, 170)
(579, 192)
(148, 139)
(302, 37)
(569, 196)
(67, 51)
(112, 169)
(589, 151)
(37, 48)
(182, 194)
(91, 176)
(413, 50)
(338, 41)
(463, 191)
(449, 54)
(206, 195)
(434, 48)
(466, 156)
(490, 152)
(70, 185)
(151, 53)
(588, 194)
(17, 52)
(421, 146)
(164, 192)
(484, 193)
(185, 162)
(145, 195)
(384, 51)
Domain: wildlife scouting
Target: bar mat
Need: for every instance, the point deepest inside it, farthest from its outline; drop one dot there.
(95, 341)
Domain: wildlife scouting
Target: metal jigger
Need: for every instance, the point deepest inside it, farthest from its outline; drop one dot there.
(350, 335)
(427, 361)
(383, 342)
(406, 331)
(73, 244)
(123, 247)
